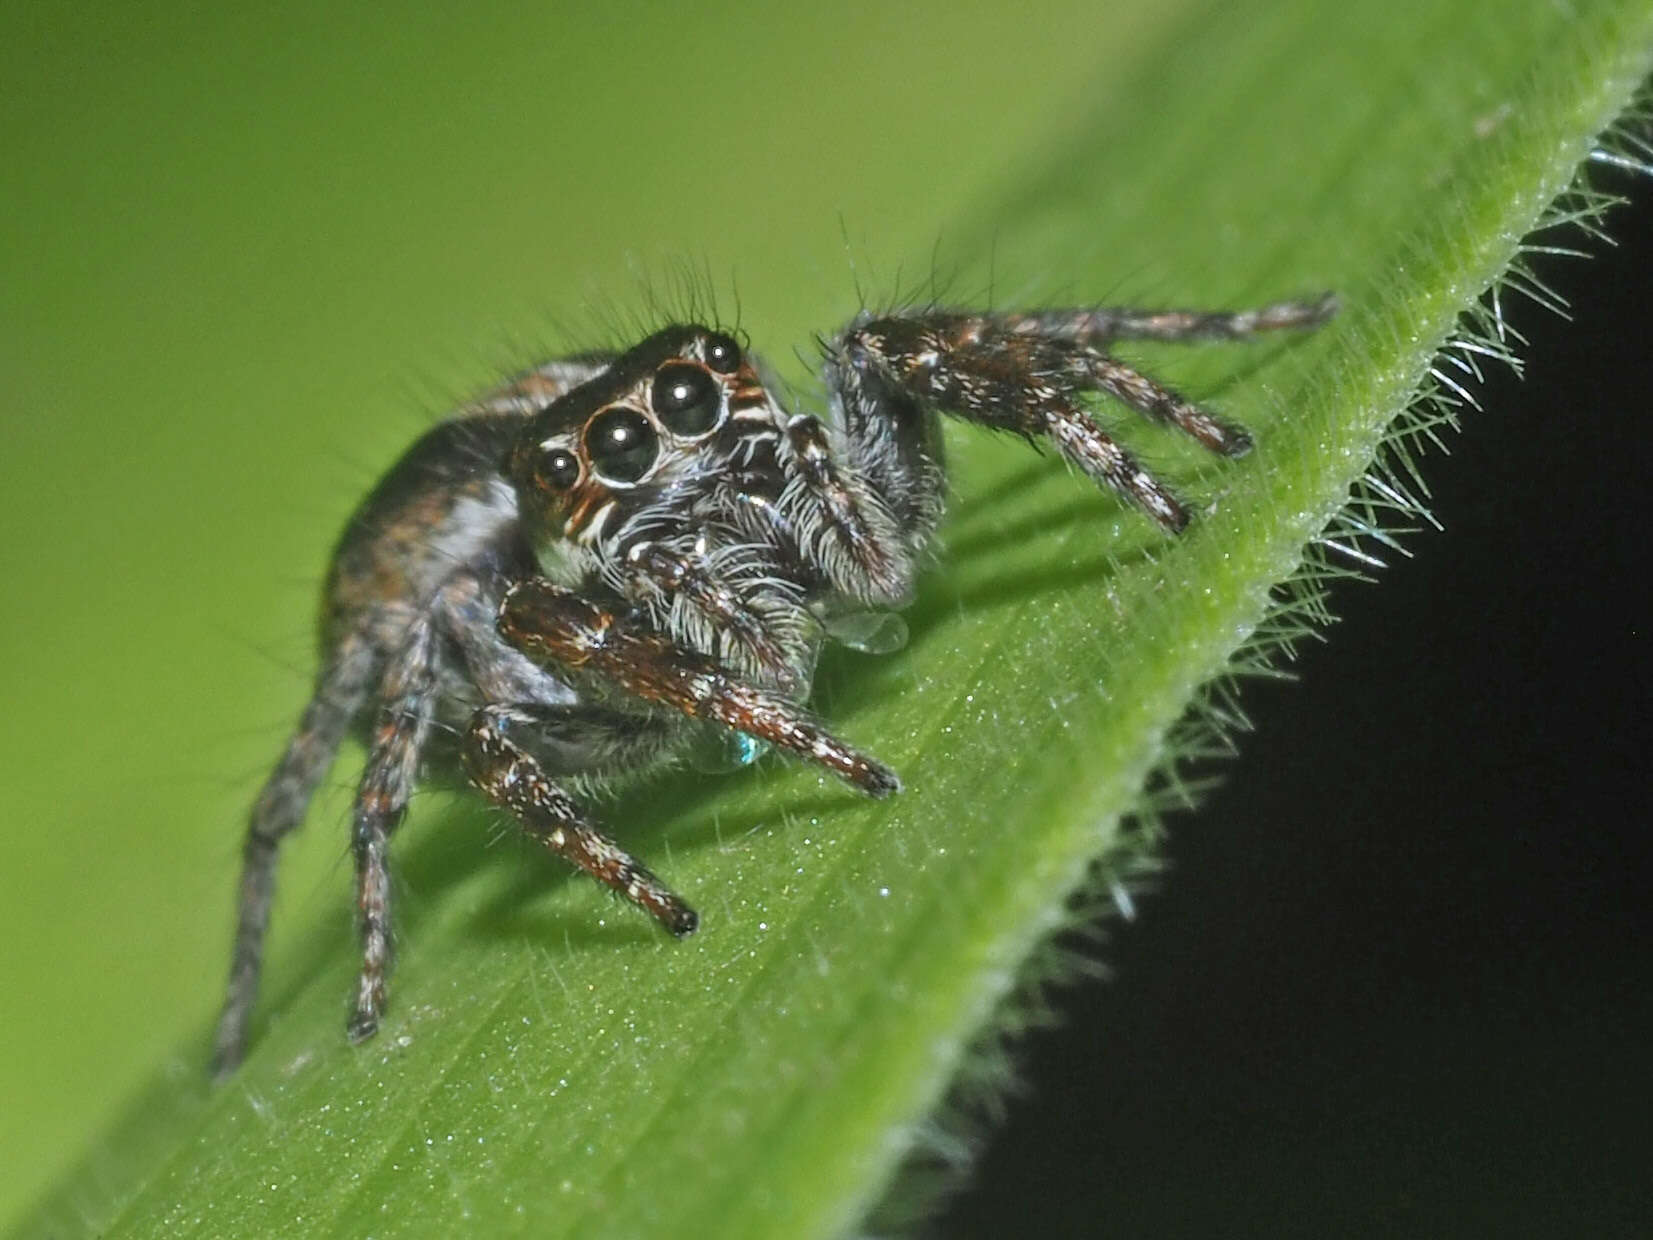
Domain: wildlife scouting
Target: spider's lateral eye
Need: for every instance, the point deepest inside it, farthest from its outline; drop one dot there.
(686, 398)
(559, 468)
(621, 444)
(722, 353)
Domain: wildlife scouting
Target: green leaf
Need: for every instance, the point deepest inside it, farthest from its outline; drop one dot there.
(257, 225)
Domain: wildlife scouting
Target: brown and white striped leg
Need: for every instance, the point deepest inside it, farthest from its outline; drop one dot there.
(1100, 324)
(1026, 373)
(510, 777)
(972, 367)
(1078, 437)
(409, 694)
(340, 691)
(1133, 388)
(558, 627)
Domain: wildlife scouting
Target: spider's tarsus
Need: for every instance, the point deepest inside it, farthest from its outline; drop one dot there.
(878, 780)
(360, 1027)
(229, 1045)
(684, 922)
(1309, 313)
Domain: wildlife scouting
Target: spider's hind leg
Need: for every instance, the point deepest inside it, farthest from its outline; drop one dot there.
(409, 694)
(340, 692)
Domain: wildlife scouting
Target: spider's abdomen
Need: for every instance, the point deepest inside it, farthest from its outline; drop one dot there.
(443, 507)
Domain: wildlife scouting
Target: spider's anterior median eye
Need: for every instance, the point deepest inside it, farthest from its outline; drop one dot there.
(686, 398)
(722, 354)
(559, 468)
(621, 444)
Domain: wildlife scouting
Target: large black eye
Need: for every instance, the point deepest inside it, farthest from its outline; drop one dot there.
(559, 469)
(686, 398)
(621, 444)
(722, 354)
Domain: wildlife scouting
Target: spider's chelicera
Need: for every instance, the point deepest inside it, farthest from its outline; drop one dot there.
(614, 555)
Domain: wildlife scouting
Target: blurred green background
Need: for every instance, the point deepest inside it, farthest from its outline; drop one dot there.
(248, 253)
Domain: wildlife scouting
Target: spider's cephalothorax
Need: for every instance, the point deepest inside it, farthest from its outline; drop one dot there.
(615, 555)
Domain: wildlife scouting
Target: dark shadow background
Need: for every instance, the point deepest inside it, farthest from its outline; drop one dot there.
(1397, 980)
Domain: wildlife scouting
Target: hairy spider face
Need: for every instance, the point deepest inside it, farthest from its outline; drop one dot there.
(672, 410)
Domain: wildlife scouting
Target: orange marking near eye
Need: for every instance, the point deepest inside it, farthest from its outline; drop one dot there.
(585, 500)
(746, 390)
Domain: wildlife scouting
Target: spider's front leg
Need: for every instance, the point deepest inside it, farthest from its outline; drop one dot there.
(554, 625)
(1027, 373)
(513, 778)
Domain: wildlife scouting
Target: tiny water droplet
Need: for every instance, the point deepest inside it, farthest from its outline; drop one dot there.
(870, 632)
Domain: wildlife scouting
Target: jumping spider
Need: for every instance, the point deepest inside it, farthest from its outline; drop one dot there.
(614, 554)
